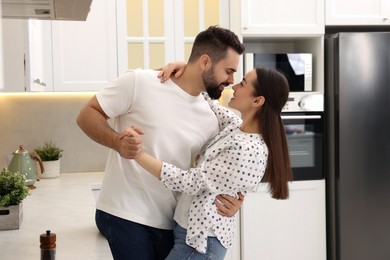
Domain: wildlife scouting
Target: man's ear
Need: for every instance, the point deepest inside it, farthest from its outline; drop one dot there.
(204, 61)
(259, 101)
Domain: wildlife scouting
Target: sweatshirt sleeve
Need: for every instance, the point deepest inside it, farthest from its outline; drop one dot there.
(236, 167)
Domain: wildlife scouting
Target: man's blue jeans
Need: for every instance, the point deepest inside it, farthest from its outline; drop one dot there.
(132, 241)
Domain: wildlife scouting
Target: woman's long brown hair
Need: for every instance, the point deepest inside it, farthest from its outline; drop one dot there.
(273, 86)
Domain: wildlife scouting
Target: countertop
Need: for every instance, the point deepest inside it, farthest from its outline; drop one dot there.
(66, 206)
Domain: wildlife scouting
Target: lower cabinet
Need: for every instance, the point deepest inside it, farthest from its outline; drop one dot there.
(293, 229)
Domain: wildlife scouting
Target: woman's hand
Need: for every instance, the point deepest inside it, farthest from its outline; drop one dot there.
(146, 161)
(130, 143)
(175, 69)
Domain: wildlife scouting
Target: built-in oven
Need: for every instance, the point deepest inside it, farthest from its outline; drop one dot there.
(303, 119)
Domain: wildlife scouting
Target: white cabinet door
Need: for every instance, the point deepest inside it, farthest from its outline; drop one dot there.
(74, 55)
(291, 229)
(282, 17)
(84, 53)
(362, 12)
(39, 57)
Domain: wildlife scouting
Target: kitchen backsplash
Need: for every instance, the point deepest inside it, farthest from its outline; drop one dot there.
(33, 118)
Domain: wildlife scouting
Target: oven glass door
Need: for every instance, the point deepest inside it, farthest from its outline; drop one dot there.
(305, 137)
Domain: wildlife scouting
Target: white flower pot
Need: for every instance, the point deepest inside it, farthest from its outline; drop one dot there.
(52, 170)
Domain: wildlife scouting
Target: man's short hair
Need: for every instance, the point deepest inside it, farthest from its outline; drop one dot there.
(215, 42)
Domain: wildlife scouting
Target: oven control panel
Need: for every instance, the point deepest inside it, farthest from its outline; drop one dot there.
(304, 102)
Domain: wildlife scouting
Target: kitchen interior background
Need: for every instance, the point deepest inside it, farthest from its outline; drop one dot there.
(31, 118)
(296, 26)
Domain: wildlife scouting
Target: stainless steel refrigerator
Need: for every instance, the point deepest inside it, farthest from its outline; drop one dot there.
(357, 109)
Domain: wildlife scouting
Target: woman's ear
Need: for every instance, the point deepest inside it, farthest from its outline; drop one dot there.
(259, 101)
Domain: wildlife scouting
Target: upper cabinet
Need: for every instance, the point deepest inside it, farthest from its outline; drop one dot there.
(62, 56)
(282, 17)
(351, 12)
(73, 55)
(76, 10)
(285, 26)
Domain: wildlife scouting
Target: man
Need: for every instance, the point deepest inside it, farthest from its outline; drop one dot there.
(134, 210)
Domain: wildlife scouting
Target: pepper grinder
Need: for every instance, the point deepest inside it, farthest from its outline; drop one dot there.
(48, 246)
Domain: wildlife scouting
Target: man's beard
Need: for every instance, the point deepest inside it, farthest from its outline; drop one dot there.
(211, 84)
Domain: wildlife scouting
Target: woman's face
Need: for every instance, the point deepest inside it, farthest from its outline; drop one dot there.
(243, 96)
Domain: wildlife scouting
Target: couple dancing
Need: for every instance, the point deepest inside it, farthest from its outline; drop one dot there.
(137, 203)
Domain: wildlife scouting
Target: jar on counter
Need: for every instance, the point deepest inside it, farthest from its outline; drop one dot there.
(48, 246)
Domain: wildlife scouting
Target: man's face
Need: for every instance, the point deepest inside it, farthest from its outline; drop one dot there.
(220, 75)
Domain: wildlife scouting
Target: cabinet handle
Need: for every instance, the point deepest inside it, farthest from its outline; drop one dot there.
(38, 81)
(385, 10)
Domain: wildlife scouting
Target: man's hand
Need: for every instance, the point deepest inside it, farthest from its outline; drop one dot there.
(130, 143)
(227, 205)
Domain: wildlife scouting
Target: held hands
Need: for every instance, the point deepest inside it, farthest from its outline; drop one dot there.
(130, 143)
(130, 147)
(175, 69)
(227, 205)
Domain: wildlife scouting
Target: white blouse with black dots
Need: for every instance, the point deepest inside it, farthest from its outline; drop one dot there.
(232, 162)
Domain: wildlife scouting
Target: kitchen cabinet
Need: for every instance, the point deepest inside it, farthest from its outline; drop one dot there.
(46, 9)
(285, 27)
(282, 17)
(285, 229)
(293, 228)
(352, 12)
(73, 55)
(121, 34)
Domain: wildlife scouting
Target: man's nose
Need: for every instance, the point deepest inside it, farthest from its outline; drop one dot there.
(230, 79)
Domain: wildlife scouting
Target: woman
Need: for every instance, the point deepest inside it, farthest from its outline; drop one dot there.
(246, 152)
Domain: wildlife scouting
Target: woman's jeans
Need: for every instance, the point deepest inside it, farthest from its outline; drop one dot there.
(132, 241)
(182, 251)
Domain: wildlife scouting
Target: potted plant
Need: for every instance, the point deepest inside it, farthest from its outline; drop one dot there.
(50, 155)
(13, 190)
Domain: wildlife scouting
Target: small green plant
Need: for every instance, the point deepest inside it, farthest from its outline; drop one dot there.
(13, 188)
(49, 152)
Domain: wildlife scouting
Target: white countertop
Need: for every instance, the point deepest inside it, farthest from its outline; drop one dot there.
(66, 206)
